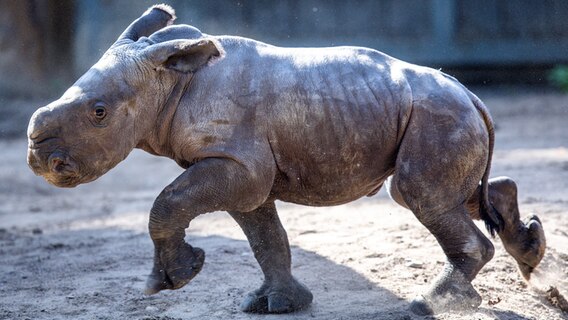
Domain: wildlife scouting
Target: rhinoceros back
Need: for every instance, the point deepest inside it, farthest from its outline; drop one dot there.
(337, 116)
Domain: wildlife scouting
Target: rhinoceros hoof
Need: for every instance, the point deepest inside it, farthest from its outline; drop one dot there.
(533, 246)
(178, 273)
(290, 297)
(455, 298)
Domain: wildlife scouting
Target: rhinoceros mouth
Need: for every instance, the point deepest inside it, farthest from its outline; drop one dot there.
(68, 179)
(63, 182)
(57, 168)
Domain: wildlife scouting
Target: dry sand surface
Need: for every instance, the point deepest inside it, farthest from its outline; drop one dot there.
(84, 253)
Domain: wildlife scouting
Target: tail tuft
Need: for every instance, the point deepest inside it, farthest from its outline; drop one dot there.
(493, 220)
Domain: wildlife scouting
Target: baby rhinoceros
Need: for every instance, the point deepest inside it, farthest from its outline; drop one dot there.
(253, 123)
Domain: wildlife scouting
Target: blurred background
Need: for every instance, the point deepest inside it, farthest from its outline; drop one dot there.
(46, 44)
(84, 253)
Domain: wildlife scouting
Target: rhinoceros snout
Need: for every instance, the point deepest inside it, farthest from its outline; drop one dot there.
(61, 164)
(57, 168)
(42, 123)
(33, 162)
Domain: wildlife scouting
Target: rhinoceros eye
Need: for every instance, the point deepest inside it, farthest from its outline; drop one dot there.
(99, 112)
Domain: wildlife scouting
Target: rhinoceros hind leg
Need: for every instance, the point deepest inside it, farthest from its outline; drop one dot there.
(437, 168)
(280, 292)
(467, 250)
(452, 291)
(530, 250)
(523, 240)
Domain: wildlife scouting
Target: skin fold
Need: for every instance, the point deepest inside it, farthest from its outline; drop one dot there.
(253, 123)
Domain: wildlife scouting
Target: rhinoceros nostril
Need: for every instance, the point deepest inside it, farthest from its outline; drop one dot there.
(61, 164)
(56, 163)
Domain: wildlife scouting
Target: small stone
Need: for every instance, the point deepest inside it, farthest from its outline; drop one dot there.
(494, 301)
(37, 231)
(415, 265)
(152, 309)
(557, 299)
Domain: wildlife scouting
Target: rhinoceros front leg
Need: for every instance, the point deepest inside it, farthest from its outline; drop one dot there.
(523, 240)
(280, 292)
(210, 185)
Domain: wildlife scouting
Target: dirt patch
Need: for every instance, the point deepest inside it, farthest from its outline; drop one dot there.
(557, 299)
(84, 253)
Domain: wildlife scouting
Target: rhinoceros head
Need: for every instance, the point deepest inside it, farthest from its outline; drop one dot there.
(102, 117)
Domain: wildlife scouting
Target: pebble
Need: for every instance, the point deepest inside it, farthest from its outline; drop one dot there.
(415, 265)
(152, 309)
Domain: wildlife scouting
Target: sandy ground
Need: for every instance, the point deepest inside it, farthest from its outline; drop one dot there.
(84, 253)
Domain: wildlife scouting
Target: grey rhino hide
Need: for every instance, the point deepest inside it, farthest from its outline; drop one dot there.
(253, 123)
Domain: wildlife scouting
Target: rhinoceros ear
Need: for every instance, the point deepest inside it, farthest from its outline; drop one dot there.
(185, 56)
(154, 19)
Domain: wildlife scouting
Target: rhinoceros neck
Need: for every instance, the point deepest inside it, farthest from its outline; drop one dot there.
(158, 139)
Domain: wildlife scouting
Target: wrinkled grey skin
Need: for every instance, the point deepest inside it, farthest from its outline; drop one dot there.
(252, 123)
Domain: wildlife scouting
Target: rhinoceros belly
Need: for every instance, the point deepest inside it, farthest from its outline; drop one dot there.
(339, 145)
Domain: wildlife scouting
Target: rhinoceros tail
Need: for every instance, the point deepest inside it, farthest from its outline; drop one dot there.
(493, 220)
